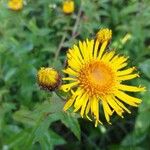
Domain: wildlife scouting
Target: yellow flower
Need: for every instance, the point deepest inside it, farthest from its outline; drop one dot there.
(48, 78)
(104, 35)
(96, 77)
(15, 4)
(68, 6)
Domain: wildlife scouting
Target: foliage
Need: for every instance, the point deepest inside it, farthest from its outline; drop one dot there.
(39, 35)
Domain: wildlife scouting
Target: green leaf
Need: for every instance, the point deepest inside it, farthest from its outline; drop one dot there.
(56, 139)
(25, 116)
(72, 123)
(49, 139)
(129, 9)
(18, 139)
(120, 147)
(9, 74)
(145, 67)
(134, 138)
(142, 121)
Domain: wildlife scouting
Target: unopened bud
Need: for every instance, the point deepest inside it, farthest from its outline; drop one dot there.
(48, 78)
(104, 35)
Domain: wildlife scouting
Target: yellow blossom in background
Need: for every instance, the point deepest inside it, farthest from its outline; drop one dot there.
(127, 37)
(15, 4)
(68, 6)
(96, 77)
(48, 78)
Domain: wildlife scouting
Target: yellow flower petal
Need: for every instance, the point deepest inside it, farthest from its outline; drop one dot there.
(70, 72)
(125, 72)
(67, 87)
(118, 60)
(115, 106)
(128, 99)
(68, 103)
(95, 110)
(80, 101)
(88, 109)
(96, 49)
(121, 66)
(102, 49)
(121, 105)
(107, 111)
(73, 62)
(130, 88)
(90, 45)
(83, 107)
(78, 53)
(128, 77)
(83, 50)
(68, 78)
(107, 57)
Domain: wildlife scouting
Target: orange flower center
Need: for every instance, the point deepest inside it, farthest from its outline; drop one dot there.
(97, 78)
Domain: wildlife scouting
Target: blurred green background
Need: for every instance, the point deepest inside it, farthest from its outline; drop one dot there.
(39, 35)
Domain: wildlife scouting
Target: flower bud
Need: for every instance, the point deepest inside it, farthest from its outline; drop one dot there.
(48, 78)
(104, 35)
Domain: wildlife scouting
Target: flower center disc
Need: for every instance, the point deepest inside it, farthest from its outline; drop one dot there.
(97, 78)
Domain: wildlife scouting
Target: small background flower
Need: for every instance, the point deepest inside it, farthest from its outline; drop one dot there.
(15, 4)
(68, 6)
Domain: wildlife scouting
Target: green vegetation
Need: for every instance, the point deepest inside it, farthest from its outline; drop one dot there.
(39, 35)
